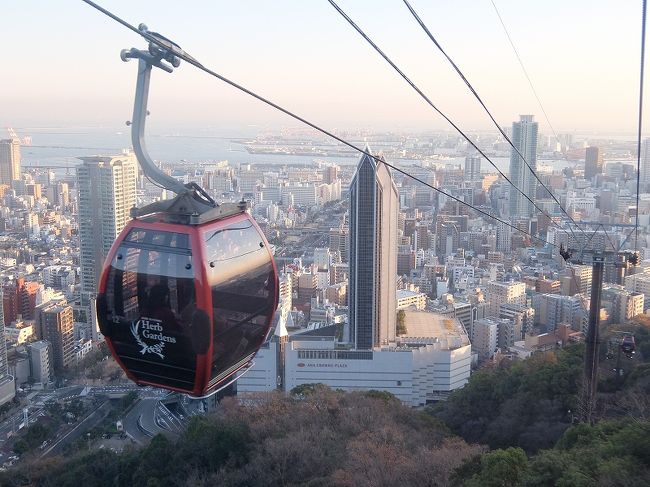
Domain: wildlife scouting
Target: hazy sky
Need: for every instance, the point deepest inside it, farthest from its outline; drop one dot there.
(60, 62)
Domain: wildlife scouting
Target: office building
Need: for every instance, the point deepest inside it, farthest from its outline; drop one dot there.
(576, 279)
(639, 283)
(9, 161)
(552, 310)
(107, 189)
(428, 363)
(622, 304)
(499, 293)
(524, 138)
(593, 162)
(39, 361)
(504, 237)
(339, 241)
(373, 254)
(473, 168)
(57, 327)
(485, 337)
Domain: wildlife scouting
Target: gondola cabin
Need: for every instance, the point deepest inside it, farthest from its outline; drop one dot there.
(185, 307)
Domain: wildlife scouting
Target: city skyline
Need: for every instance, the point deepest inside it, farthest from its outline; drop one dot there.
(325, 289)
(316, 76)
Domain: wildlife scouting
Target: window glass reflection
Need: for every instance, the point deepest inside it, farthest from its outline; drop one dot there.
(151, 301)
(240, 274)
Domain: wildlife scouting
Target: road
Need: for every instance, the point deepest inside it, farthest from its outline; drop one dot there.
(140, 423)
(148, 417)
(35, 409)
(92, 420)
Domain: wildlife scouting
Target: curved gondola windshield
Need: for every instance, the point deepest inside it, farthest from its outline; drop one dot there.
(242, 279)
(150, 303)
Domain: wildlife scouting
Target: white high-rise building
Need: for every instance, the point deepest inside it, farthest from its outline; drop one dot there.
(485, 337)
(322, 258)
(9, 160)
(499, 293)
(374, 205)
(425, 365)
(524, 137)
(639, 283)
(554, 309)
(107, 192)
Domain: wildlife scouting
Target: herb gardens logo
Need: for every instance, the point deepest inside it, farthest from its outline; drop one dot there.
(150, 329)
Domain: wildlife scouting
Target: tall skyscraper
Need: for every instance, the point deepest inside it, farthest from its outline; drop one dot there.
(524, 138)
(473, 168)
(9, 160)
(107, 187)
(593, 162)
(374, 205)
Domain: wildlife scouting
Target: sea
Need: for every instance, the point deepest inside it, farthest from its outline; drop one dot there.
(59, 148)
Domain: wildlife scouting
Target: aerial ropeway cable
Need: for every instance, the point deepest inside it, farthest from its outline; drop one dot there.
(485, 108)
(443, 115)
(640, 125)
(523, 68)
(179, 53)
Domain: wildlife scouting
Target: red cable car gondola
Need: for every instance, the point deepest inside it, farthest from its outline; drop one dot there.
(189, 288)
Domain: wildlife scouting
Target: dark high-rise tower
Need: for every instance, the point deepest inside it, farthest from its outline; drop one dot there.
(373, 255)
(524, 138)
(593, 162)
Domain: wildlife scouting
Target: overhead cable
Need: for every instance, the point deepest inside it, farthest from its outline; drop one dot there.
(478, 98)
(190, 60)
(523, 68)
(432, 105)
(638, 141)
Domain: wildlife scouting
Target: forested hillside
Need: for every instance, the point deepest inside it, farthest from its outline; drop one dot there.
(524, 411)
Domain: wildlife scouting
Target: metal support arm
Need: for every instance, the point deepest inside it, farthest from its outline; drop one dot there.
(146, 61)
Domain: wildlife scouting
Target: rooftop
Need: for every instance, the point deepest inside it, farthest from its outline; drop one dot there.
(449, 331)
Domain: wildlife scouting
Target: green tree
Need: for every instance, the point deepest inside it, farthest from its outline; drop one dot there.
(522, 404)
(383, 395)
(401, 322)
(156, 462)
(306, 389)
(501, 468)
(21, 446)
